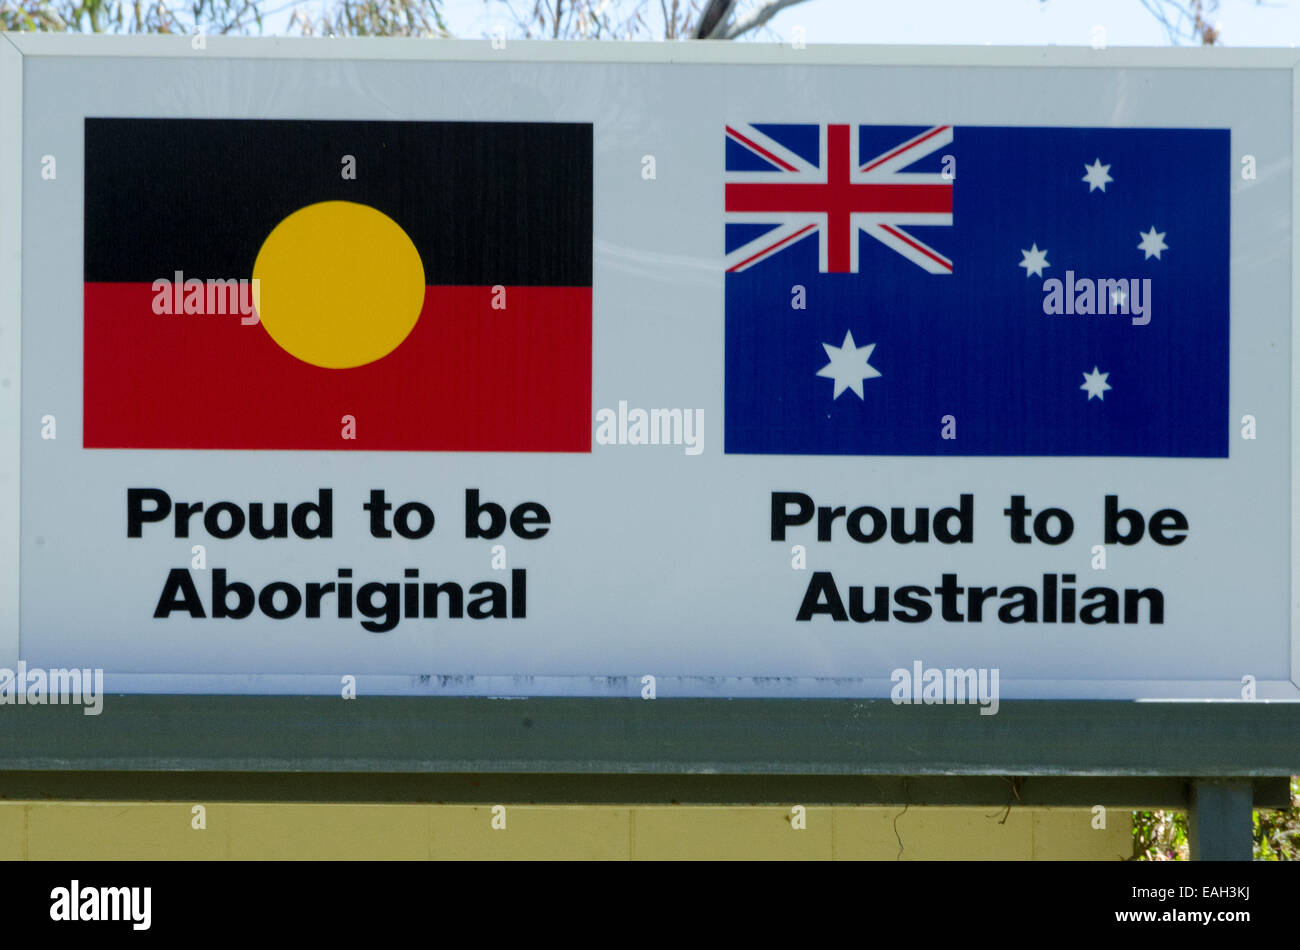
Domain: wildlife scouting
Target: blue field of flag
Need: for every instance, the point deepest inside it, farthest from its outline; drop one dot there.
(1023, 291)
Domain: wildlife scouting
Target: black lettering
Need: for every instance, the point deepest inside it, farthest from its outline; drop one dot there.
(1026, 600)
(880, 612)
(377, 507)
(965, 515)
(1105, 610)
(975, 597)
(518, 593)
(1165, 520)
(179, 593)
(781, 519)
(491, 604)
(324, 511)
(916, 608)
(473, 512)
(136, 514)
(220, 589)
(279, 521)
(1133, 522)
(390, 610)
(526, 516)
(292, 598)
(949, 592)
(878, 524)
(821, 586)
(455, 600)
(184, 511)
(212, 520)
(825, 518)
(1064, 520)
(898, 530)
(402, 520)
(1155, 604)
(1017, 513)
(314, 594)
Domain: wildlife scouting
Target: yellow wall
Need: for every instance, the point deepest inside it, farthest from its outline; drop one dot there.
(39, 830)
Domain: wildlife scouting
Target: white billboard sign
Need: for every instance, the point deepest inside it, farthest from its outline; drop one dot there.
(618, 370)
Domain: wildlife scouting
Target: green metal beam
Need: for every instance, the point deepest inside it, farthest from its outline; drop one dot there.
(590, 789)
(665, 736)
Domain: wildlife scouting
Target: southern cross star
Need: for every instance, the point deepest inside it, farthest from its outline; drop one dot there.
(1096, 385)
(848, 365)
(1035, 260)
(1098, 175)
(1152, 243)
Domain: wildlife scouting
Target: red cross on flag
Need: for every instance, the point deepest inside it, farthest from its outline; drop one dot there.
(836, 197)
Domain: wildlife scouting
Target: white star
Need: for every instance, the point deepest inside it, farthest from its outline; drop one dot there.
(1118, 298)
(1098, 175)
(1096, 384)
(1035, 260)
(1153, 243)
(848, 365)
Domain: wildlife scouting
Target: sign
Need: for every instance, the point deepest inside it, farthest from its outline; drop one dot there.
(537, 372)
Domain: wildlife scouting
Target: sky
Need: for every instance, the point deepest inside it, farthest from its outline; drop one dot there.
(952, 22)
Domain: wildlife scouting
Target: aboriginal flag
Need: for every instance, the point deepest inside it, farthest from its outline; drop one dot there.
(285, 284)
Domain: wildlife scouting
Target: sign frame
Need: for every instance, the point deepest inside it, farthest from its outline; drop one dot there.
(1229, 738)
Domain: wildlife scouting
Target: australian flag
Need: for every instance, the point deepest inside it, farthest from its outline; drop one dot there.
(939, 290)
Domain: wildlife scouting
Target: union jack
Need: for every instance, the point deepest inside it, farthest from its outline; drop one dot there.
(836, 197)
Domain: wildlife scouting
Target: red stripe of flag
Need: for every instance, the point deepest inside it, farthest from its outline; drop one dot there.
(468, 378)
(903, 148)
(750, 143)
(942, 262)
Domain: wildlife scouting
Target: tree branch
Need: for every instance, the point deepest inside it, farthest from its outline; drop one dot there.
(754, 20)
(713, 19)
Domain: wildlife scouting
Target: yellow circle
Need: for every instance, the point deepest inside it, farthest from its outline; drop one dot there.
(338, 284)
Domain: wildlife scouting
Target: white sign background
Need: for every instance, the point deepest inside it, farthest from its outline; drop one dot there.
(657, 562)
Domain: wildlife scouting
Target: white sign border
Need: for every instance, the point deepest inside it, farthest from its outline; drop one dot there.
(11, 302)
(15, 47)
